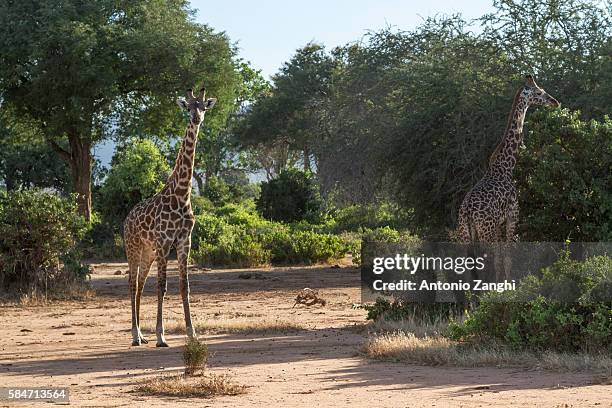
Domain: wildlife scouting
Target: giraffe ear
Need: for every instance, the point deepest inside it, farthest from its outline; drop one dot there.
(182, 103)
(210, 103)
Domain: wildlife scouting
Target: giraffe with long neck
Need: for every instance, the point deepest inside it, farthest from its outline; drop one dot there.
(492, 203)
(165, 220)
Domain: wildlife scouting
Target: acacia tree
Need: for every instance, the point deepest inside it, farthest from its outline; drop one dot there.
(413, 116)
(80, 71)
(288, 116)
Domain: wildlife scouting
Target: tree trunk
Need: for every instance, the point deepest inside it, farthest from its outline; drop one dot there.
(79, 160)
(80, 166)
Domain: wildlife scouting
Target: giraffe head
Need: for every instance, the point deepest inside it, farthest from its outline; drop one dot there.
(536, 95)
(196, 106)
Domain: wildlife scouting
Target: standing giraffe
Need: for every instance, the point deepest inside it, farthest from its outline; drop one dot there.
(492, 202)
(162, 221)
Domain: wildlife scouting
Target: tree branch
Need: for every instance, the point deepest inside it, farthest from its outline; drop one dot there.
(64, 154)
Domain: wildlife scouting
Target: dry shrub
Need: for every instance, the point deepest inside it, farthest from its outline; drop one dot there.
(195, 356)
(439, 351)
(207, 386)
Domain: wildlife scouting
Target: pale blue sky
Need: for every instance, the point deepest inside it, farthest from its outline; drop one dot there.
(269, 31)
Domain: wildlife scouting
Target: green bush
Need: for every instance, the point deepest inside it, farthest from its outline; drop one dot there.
(568, 309)
(360, 217)
(389, 235)
(306, 247)
(292, 196)
(102, 241)
(235, 235)
(565, 178)
(39, 233)
(138, 171)
(216, 190)
(231, 187)
(228, 238)
(200, 204)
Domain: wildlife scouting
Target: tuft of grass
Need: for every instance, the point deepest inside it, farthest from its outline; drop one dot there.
(195, 356)
(411, 324)
(207, 386)
(440, 351)
(229, 325)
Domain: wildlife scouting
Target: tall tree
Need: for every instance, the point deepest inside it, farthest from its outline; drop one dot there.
(81, 70)
(288, 115)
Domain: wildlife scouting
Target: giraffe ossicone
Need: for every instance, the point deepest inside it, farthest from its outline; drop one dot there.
(164, 221)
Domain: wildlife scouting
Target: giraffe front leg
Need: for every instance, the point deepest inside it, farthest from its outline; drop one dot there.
(162, 259)
(182, 252)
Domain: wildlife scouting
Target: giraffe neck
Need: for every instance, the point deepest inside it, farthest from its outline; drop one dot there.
(504, 157)
(179, 182)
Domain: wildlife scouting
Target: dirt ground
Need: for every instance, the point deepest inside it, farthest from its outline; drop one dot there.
(85, 346)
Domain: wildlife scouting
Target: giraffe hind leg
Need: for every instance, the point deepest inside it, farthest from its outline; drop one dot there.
(133, 286)
(146, 259)
(161, 255)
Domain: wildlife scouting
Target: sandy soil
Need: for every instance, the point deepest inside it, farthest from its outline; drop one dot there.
(86, 346)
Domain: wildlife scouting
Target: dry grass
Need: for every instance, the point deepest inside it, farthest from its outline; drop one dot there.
(440, 351)
(75, 291)
(206, 386)
(418, 328)
(237, 325)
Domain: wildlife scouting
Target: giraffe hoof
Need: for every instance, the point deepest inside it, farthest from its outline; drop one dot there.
(162, 344)
(136, 342)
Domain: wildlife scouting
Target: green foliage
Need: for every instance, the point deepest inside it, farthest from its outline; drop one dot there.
(233, 186)
(389, 235)
(289, 113)
(292, 196)
(569, 308)
(236, 235)
(304, 246)
(219, 242)
(27, 161)
(102, 240)
(217, 191)
(83, 71)
(369, 216)
(565, 178)
(413, 116)
(39, 233)
(200, 204)
(138, 171)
